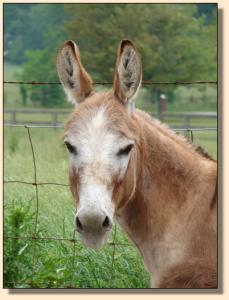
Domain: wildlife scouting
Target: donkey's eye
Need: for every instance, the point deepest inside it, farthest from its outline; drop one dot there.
(125, 150)
(71, 148)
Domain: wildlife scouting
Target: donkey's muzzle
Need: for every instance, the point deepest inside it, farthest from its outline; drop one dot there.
(93, 222)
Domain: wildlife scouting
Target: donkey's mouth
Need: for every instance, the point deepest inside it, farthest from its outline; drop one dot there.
(94, 240)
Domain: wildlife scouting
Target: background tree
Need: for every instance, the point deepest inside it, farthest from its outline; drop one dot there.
(29, 27)
(38, 54)
(41, 64)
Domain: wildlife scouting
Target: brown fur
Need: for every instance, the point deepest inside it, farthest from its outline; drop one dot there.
(192, 274)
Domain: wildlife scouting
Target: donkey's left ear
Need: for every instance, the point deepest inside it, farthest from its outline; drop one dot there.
(128, 74)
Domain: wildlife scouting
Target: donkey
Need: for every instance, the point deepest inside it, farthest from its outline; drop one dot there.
(128, 167)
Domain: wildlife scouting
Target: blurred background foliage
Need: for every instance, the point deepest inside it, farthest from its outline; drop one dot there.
(175, 41)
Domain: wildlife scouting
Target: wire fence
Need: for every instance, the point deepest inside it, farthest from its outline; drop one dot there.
(34, 237)
(144, 82)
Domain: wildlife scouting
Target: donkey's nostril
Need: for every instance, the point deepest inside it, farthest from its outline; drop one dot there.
(88, 223)
(106, 223)
(79, 224)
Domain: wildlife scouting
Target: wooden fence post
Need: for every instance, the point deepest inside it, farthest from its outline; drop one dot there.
(54, 118)
(13, 116)
(186, 121)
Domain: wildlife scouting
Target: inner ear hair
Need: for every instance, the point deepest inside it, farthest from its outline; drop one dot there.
(74, 78)
(128, 72)
(127, 68)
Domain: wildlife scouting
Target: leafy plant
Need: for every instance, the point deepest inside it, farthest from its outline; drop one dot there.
(16, 254)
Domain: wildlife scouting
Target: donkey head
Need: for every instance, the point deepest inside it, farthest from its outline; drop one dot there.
(101, 136)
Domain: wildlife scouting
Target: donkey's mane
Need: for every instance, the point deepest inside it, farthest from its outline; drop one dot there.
(178, 138)
(204, 153)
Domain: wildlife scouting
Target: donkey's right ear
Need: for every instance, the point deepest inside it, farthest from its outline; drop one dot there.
(74, 78)
(128, 74)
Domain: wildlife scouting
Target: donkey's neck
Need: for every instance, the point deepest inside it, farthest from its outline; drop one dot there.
(170, 176)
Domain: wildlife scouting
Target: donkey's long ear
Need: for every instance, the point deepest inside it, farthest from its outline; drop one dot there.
(128, 74)
(74, 78)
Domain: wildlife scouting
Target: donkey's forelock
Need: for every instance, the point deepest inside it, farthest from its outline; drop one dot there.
(101, 113)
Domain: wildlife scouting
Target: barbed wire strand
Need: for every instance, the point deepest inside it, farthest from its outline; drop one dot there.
(144, 82)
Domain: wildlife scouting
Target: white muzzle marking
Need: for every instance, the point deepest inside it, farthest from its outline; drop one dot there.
(94, 215)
